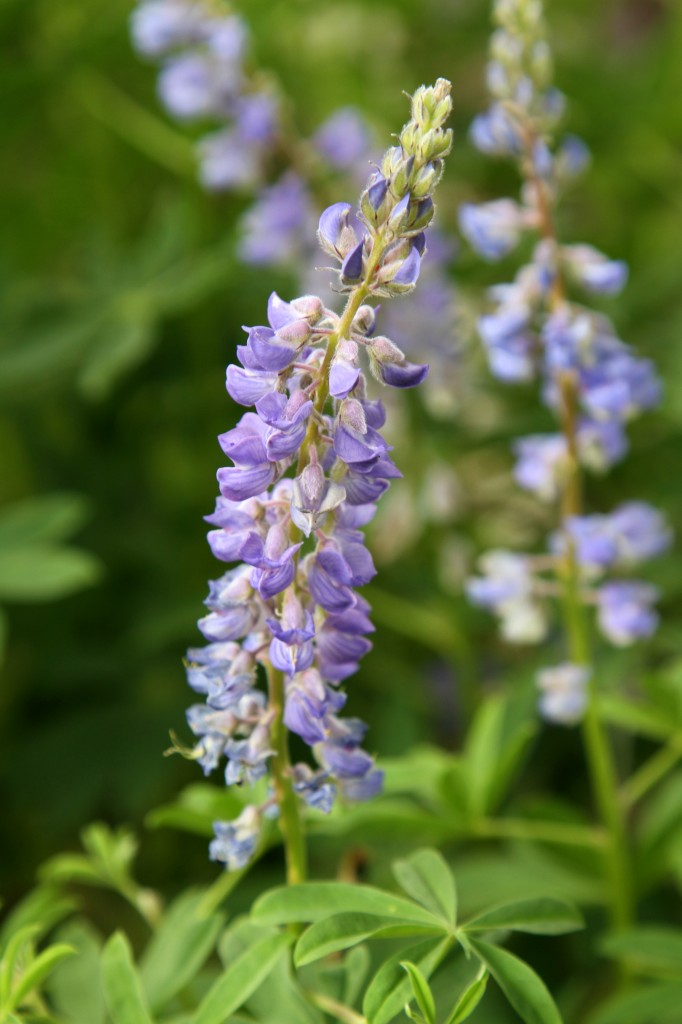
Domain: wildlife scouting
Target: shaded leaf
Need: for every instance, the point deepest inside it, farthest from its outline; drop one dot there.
(340, 931)
(42, 572)
(241, 979)
(524, 989)
(544, 916)
(651, 949)
(122, 988)
(178, 949)
(469, 999)
(389, 990)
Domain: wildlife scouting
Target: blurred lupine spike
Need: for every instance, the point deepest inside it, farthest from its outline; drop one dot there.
(308, 465)
(590, 379)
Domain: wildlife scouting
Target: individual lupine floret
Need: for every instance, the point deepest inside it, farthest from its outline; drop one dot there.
(508, 588)
(235, 841)
(625, 611)
(493, 229)
(563, 693)
(299, 614)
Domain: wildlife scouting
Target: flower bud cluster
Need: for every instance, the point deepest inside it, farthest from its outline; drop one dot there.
(308, 464)
(592, 381)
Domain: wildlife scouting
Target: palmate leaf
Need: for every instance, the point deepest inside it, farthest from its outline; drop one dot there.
(313, 901)
(390, 989)
(341, 931)
(545, 916)
(426, 877)
(524, 989)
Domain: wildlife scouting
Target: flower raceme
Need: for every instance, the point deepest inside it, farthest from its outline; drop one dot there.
(308, 466)
(590, 380)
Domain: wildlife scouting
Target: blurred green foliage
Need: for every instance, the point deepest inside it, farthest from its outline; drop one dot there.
(122, 303)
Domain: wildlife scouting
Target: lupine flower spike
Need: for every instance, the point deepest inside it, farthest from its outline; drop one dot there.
(308, 463)
(591, 380)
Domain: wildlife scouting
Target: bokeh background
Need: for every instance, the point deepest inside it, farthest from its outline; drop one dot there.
(122, 300)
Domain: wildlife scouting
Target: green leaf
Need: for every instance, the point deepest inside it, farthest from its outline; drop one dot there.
(122, 989)
(75, 988)
(389, 990)
(469, 999)
(70, 867)
(178, 949)
(241, 979)
(523, 988)
(38, 970)
(313, 901)
(51, 517)
(340, 931)
(122, 344)
(647, 1004)
(650, 949)
(426, 877)
(482, 752)
(43, 571)
(43, 908)
(545, 916)
(356, 965)
(16, 947)
(422, 993)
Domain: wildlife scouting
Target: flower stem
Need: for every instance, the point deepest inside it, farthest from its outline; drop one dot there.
(289, 809)
(335, 1009)
(598, 751)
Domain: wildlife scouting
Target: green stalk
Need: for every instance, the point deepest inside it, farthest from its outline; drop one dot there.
(290, 820)
(603, 777)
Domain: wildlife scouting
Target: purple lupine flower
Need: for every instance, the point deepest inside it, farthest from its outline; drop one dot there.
(591, 379)
(309, 461)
